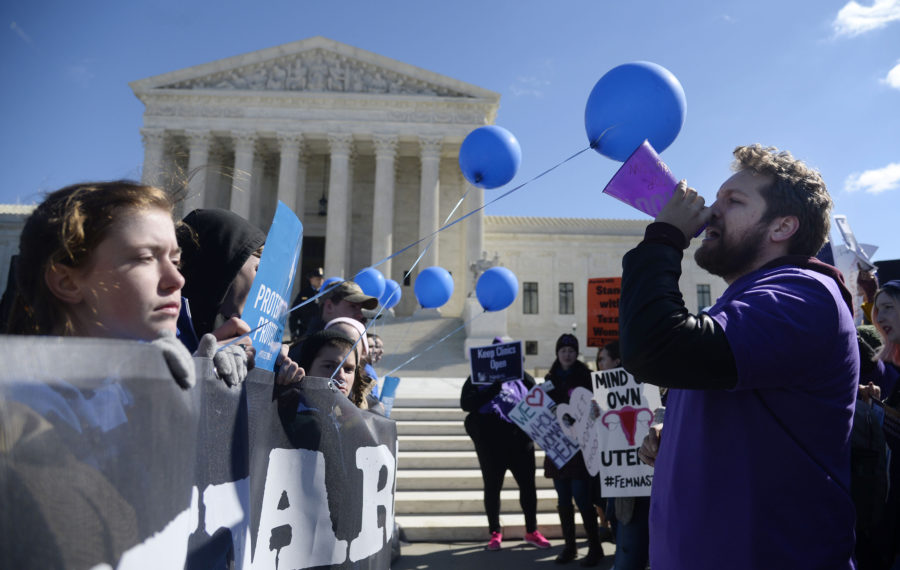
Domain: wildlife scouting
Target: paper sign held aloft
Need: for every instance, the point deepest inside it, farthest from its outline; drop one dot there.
(536, 415)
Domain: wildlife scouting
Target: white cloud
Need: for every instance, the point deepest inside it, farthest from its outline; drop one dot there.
(893, 77)
(875, 181)
(20, 32)
(854, 19)
(531, 85)
(81, 72)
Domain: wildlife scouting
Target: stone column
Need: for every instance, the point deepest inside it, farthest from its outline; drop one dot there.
(154, 147)
(337, 224)
(474, 229)
(300, 194)
(383, 209)
(198, 167)
(244, 148)
(290, 145)
(429, 198)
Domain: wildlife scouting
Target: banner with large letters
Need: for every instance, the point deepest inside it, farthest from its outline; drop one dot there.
(106, 463)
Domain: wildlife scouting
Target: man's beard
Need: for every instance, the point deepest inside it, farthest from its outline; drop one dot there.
(727, 259)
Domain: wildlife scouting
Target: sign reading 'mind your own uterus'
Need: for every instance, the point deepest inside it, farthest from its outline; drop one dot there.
(626, 412)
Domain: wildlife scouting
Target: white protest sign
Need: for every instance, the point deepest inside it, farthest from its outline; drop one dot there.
(579, 420)
(535, 415)
(861, 251)
(626, 411)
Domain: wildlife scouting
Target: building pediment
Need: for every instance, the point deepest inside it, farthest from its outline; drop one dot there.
(314, 65)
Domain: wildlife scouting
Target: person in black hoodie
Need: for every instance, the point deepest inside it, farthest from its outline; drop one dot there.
(572, 480)
(220, 254)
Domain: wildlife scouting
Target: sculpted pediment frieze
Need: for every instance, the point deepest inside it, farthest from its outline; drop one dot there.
(316, 71)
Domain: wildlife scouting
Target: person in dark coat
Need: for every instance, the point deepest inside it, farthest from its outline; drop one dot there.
(572, 481)
(501, 445)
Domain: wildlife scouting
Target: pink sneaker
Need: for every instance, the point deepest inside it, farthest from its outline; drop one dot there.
(537, 539)
(496, 539)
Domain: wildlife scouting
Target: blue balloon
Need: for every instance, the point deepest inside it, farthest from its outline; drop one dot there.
(631, 103)
(489, 157)
(391, 295)
(329, 283)
(497, 288)
(433, 287)
(371, 281)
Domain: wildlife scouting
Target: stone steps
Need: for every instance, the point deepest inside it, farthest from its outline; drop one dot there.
(470, 501)
(439, 487)
(447, 459)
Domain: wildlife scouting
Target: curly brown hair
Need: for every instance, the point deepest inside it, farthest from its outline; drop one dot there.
(65, 229)
(797, 190)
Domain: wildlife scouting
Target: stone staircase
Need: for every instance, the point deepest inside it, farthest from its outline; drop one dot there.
(439, 489)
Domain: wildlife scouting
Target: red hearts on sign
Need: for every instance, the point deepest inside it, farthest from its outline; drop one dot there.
(536, 398)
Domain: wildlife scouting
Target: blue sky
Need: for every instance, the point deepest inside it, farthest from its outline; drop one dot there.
(818, 77)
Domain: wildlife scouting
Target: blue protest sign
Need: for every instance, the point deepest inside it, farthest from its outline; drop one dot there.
(496, 362)
(388, 392)
(266, 306)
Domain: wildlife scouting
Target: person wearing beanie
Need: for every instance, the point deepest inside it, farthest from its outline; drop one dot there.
(572, 481)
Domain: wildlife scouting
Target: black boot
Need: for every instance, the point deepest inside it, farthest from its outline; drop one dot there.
(595, 548)
(567, 523)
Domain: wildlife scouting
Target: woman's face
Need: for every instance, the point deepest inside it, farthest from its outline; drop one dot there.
(325, 362)
(130, 287)
(605, 361)
(888, 319)
(566, 356)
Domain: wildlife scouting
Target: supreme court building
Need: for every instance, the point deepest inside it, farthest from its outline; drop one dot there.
(365, 150)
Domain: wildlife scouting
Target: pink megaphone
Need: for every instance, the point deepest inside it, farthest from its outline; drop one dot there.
(627, 418)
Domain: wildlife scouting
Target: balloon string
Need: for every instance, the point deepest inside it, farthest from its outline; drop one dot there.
(478, 209)
(445, 226)
(433, 237)
(445, 337)
(365, 331)
(289, 311)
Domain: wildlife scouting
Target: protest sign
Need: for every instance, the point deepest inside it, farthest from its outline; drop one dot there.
(107, 463)
(266, 306)
(862, 252)
(388, 393)
(536, 416)
(579, 421)
(496, 362)
(626, 411)
(603, 310)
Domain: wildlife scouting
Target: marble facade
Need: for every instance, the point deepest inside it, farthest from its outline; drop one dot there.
(363, 148)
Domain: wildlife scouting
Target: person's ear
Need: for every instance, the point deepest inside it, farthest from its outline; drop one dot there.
(783, 228)
(62, 282)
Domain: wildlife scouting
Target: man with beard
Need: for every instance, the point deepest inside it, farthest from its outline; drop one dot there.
(754, 468)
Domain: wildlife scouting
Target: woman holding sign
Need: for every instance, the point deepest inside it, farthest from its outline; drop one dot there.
(572, 481)
(501, 446)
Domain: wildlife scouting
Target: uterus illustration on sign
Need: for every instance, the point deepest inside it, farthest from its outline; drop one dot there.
(627, 419)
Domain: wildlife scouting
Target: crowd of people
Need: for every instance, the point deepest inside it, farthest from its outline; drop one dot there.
(754, 465)
(761, 465)
(107, 260)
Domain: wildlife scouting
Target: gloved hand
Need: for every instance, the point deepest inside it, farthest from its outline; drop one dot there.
(231, 363)
(177, 357)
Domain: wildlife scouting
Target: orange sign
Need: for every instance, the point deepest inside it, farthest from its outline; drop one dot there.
(603, 310)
